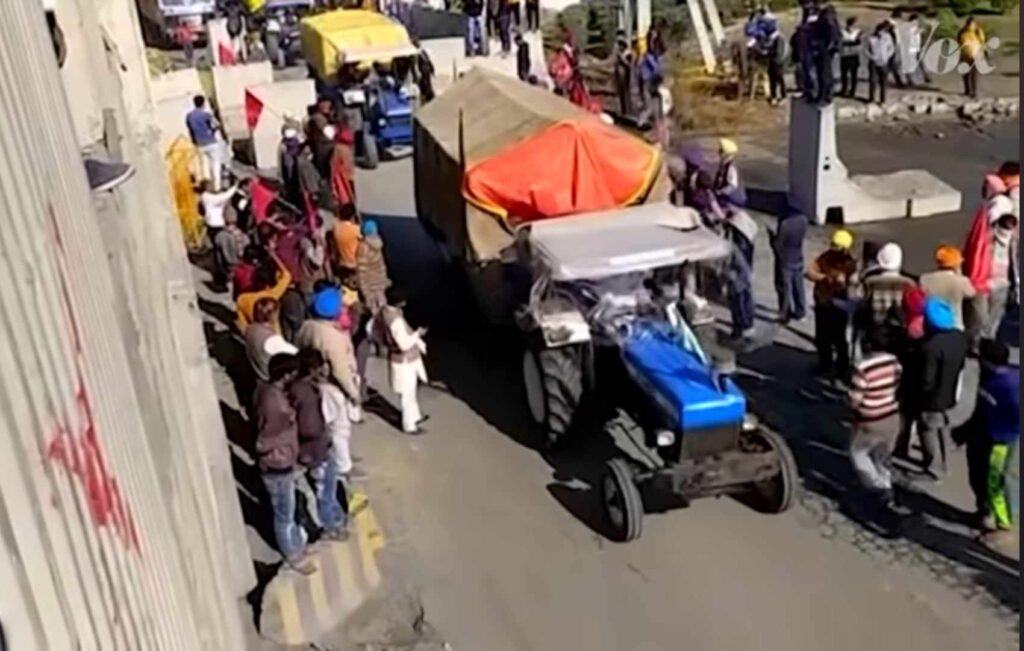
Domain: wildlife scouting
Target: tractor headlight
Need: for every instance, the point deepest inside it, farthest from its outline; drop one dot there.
(665, 438)
(382, 123)
(750, 423)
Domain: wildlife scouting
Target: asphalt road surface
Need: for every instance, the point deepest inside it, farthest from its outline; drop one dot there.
(506, 546)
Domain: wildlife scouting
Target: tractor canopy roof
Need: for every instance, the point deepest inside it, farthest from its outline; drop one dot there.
(625, 240)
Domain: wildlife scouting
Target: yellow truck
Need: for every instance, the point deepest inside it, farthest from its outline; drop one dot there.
(357, 36)
(340, 47)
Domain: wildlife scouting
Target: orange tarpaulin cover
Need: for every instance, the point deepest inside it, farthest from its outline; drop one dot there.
(576, 166)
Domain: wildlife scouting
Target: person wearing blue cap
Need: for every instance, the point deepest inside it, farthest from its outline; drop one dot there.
(371, 270)
(323, 332)
(942, 355)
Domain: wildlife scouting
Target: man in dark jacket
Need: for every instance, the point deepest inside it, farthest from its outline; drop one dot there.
(277, 450)
(787, 242)
(315, 443)
(825, 38)
(476, 30)
(523, 63)
(943, 352)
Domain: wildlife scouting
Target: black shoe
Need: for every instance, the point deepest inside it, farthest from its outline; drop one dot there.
(106, 175)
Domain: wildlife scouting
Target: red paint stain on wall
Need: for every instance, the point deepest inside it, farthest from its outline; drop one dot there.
(81, 453)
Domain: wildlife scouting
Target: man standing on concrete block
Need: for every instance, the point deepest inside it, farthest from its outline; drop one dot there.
(202, 127)
(476, 32)
(532, 15)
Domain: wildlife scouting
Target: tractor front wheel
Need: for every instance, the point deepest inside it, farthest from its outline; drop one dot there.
(778, 492)
(623, 505)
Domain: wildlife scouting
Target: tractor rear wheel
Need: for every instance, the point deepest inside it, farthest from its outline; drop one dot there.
(553, 379)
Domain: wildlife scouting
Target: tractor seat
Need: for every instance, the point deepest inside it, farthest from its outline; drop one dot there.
(681, 384)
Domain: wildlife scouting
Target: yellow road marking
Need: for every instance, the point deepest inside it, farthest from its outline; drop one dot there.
(291, 620)
(351, 593)
(318, 593)
(368, 537)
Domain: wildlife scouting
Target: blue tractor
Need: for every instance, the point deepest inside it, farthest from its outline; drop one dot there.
(608, 346)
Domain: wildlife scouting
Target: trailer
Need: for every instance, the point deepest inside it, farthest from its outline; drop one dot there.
(484, 115)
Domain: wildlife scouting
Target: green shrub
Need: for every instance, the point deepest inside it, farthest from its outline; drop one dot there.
(948, 24)
(672, 19)
(961, 7)
(1002, 6)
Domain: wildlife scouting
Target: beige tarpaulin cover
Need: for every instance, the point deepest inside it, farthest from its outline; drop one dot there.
(497, 111)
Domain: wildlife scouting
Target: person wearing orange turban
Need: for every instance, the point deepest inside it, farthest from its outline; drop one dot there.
(948, 282)
(948, 257)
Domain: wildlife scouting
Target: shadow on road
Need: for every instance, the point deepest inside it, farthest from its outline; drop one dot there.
(784, 392)
(481, 365)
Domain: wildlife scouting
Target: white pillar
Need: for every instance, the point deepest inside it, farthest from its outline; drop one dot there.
(643, 17)
(717, 32)
(706, 51)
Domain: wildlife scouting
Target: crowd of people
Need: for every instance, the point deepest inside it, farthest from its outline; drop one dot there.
(314, 302)
(503, 19)
(901, 343)
(892, 50)
(898, 343)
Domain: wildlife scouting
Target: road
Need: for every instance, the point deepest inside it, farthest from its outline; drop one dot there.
(504, 545)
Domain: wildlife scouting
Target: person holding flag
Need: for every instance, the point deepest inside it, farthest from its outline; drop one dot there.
(991, 264)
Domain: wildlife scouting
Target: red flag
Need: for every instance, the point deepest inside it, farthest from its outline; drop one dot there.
(226, 54)
(978, 251)
(253, 109)
(341, 185)
(262, 196)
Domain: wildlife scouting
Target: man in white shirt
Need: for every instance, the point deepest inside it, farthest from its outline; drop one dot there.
(213, 205)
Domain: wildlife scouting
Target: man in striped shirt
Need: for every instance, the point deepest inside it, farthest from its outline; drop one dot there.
(876, 419)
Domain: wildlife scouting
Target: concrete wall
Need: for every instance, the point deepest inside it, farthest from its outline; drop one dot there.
(119, 520)
(76, 74)
(172, 98)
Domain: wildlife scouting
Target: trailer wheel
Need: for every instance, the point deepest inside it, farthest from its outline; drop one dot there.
(623, 505)
(553, 379)
(775, 494)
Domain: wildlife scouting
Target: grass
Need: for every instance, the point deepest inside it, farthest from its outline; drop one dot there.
(708, 104)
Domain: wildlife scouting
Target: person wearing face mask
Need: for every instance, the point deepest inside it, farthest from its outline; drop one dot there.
(991, 262)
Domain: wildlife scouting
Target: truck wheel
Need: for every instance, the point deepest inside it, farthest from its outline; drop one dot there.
(553, 379)
(623, 505)
(775, 494)
(371, 156)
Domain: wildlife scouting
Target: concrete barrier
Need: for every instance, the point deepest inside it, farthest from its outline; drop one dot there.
(449, 57)
(229, 84)
(821, 186)
(279, 99)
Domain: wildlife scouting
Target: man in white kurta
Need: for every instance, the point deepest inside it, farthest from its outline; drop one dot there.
(406, 349)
